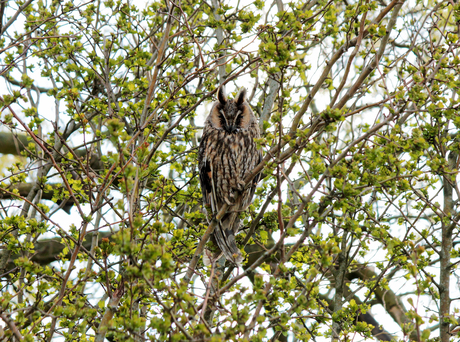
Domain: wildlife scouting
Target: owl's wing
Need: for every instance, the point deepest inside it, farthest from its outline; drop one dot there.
(207, 175)
(207, 188)
(259, 159)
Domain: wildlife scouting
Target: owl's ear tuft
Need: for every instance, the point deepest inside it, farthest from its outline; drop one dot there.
(241, 97)
(221, 96)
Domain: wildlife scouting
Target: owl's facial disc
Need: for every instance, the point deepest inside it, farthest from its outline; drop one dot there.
(229, 124)
(231, 115)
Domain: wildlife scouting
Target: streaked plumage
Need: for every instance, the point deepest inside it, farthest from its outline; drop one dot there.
(227, 154)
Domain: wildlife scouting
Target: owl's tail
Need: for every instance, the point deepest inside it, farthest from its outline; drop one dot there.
(224, 234)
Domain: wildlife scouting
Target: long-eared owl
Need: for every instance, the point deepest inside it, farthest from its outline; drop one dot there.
(227, 154)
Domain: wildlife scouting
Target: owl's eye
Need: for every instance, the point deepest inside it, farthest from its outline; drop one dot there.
(238, 113)
(221, 111)
(237, 119)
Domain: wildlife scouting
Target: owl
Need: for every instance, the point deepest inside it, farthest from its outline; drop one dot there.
(226, 155)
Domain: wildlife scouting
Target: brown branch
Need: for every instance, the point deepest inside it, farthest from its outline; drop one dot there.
(109, 313)
(371, 66)
(47, 250)
(15, 16)
(24, 188)
(13, 143)
(378, 332)
(161, 51)
(350, 60)
(389, 300)
(202, 243)
(12, 326)
(327, 69)
(366, 274)
(446, 247)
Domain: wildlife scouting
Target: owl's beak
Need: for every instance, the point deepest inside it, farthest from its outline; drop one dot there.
(231, 128)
